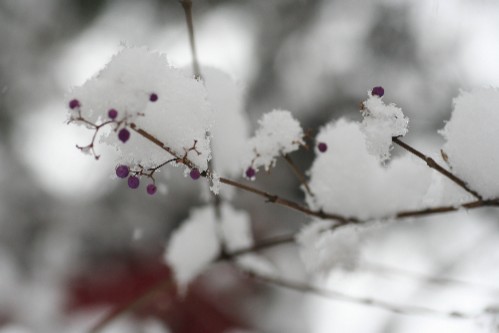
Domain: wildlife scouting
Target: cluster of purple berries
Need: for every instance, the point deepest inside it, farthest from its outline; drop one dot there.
(123, 171)
(124, 133)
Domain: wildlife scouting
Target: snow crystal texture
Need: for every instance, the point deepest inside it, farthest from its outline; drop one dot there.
(278, 134)
(347, 179)
(180, 116)
(381, 123)
(471, 140)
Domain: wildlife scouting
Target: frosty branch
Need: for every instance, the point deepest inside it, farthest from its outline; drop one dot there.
(161, 116)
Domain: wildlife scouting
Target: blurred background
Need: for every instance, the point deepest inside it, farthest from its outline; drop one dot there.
(76, 244)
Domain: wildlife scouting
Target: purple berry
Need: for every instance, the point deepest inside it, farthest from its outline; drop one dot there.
(124, 135)
(133, 182)
(151, 189)
(153, 97)
(122, 171)
(378, 91)
(74, 103)
(195, 174)
(322, 147)
(112, 114)
(250, 172)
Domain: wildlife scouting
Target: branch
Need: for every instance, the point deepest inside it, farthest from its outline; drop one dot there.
(298, 173)
(426, 278)
(434, 165)
(290, 204)
(336, 295)
(187, 6)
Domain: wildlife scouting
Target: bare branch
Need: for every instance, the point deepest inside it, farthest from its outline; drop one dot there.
(336, 295)
(187, 6)
(298, 173)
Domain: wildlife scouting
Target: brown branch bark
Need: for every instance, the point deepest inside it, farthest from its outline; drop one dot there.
(187, 6)
(434, 165)
(336, 295)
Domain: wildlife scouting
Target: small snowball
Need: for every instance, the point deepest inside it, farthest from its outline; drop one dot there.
(348, 180)
(278, 133)
(381, 123)
(322, 249)
(472, 134)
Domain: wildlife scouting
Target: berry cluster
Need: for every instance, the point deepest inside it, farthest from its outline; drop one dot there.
(123, 171)
(112, 114)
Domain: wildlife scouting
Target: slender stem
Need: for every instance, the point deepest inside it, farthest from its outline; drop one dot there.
(331, 294)
(187, 6)
(434, 165)
(298, 173)
(426, 278)
(288, 203)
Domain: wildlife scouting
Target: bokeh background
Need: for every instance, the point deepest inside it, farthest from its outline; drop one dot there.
(76, 244)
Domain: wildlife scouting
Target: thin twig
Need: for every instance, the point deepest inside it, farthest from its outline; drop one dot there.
(298, 173)
(426, 278)
(434, 165)
(331, 294)
(187, 6)
(290, 204)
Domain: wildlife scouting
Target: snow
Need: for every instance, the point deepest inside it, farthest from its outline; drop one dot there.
(382, 122)
(230, 132)
(193, 246)
(348, 180)
(197, 242)
(235, 228)
(322, 249)
(180, 117)
(278, 134)
(471, 140)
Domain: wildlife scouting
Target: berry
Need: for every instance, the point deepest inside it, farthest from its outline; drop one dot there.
(195, 174)
(151, 189)
(133, 182)
(250, 172)
(112, 114)
(153, 97)
(322, 147)
(122, 171)
(378, 91)
(124, 135)
(74, 103)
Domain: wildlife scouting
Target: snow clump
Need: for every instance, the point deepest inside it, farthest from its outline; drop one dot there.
(382, 122)
(278, 134)
(147, 94)
(471, 140)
